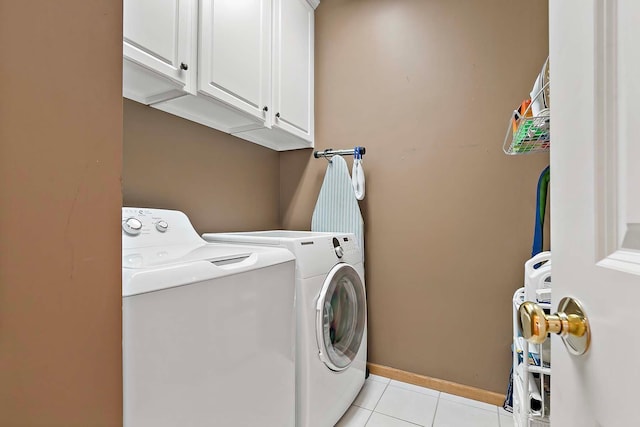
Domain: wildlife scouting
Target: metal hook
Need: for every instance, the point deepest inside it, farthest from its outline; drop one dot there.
(328, 157)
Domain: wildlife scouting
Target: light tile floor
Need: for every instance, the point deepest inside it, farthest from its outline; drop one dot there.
(389, 403)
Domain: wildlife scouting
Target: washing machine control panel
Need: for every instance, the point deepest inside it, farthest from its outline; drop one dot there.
(150, 227)
(132, 226)
(135, 221)
(162, 226)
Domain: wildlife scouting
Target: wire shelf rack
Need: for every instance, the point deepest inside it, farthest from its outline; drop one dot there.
(528, 135)
(528, 130)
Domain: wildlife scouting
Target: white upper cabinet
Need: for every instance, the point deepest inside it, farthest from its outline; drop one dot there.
(160, 42)
(235, 53)
(244, 67)
(293, 67)
(289, 121)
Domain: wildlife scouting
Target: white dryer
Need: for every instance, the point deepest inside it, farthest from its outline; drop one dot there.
(208, 329)
(331, 319)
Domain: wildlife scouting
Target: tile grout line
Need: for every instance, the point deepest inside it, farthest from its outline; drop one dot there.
(374, 406)
(466, 404)
(380, 398)
(378, 401)
(388, 384)
(433, 420)
(415, 391)
(368, 418)
(396, 418)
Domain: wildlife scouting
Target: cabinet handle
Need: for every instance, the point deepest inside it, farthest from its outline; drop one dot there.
(278, 115)
(265, 109)
(184, 66)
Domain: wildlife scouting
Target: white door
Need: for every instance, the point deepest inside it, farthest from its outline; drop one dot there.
(595, 199)
(293, 41)
(235, 53)
(161, 36)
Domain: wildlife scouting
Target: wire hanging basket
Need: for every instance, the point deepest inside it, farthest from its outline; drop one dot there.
(529, 125)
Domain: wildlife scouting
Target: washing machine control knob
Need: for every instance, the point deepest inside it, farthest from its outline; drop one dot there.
(132, 226)
(339, 251)
(162, 226)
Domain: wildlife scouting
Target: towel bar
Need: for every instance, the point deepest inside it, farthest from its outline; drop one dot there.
(330, 152)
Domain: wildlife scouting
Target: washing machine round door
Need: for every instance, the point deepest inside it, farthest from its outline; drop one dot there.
(340, 317)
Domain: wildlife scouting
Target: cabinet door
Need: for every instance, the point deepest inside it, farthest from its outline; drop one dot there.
(293, 67)
(235, 52)
(160, 35)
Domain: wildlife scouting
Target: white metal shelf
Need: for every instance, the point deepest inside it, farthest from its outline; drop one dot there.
(535, 360)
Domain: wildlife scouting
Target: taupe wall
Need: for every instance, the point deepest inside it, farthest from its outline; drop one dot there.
(60, 198)
(221, 182)
(427, 87)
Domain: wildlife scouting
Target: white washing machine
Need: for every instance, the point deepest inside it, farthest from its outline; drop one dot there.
(331, 319)
(208, 329)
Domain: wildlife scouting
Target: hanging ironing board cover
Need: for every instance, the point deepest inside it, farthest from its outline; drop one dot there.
(337, 209)
(541, 208)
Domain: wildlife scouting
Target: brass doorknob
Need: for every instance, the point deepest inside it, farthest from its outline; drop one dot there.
(570, 322)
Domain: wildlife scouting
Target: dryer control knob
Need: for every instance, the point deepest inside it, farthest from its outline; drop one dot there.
(132, 226)
(339, 251)
(162, 226)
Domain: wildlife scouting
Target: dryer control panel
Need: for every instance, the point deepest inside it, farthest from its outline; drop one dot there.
(347, 242)
(346, 248)
(337, 248)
